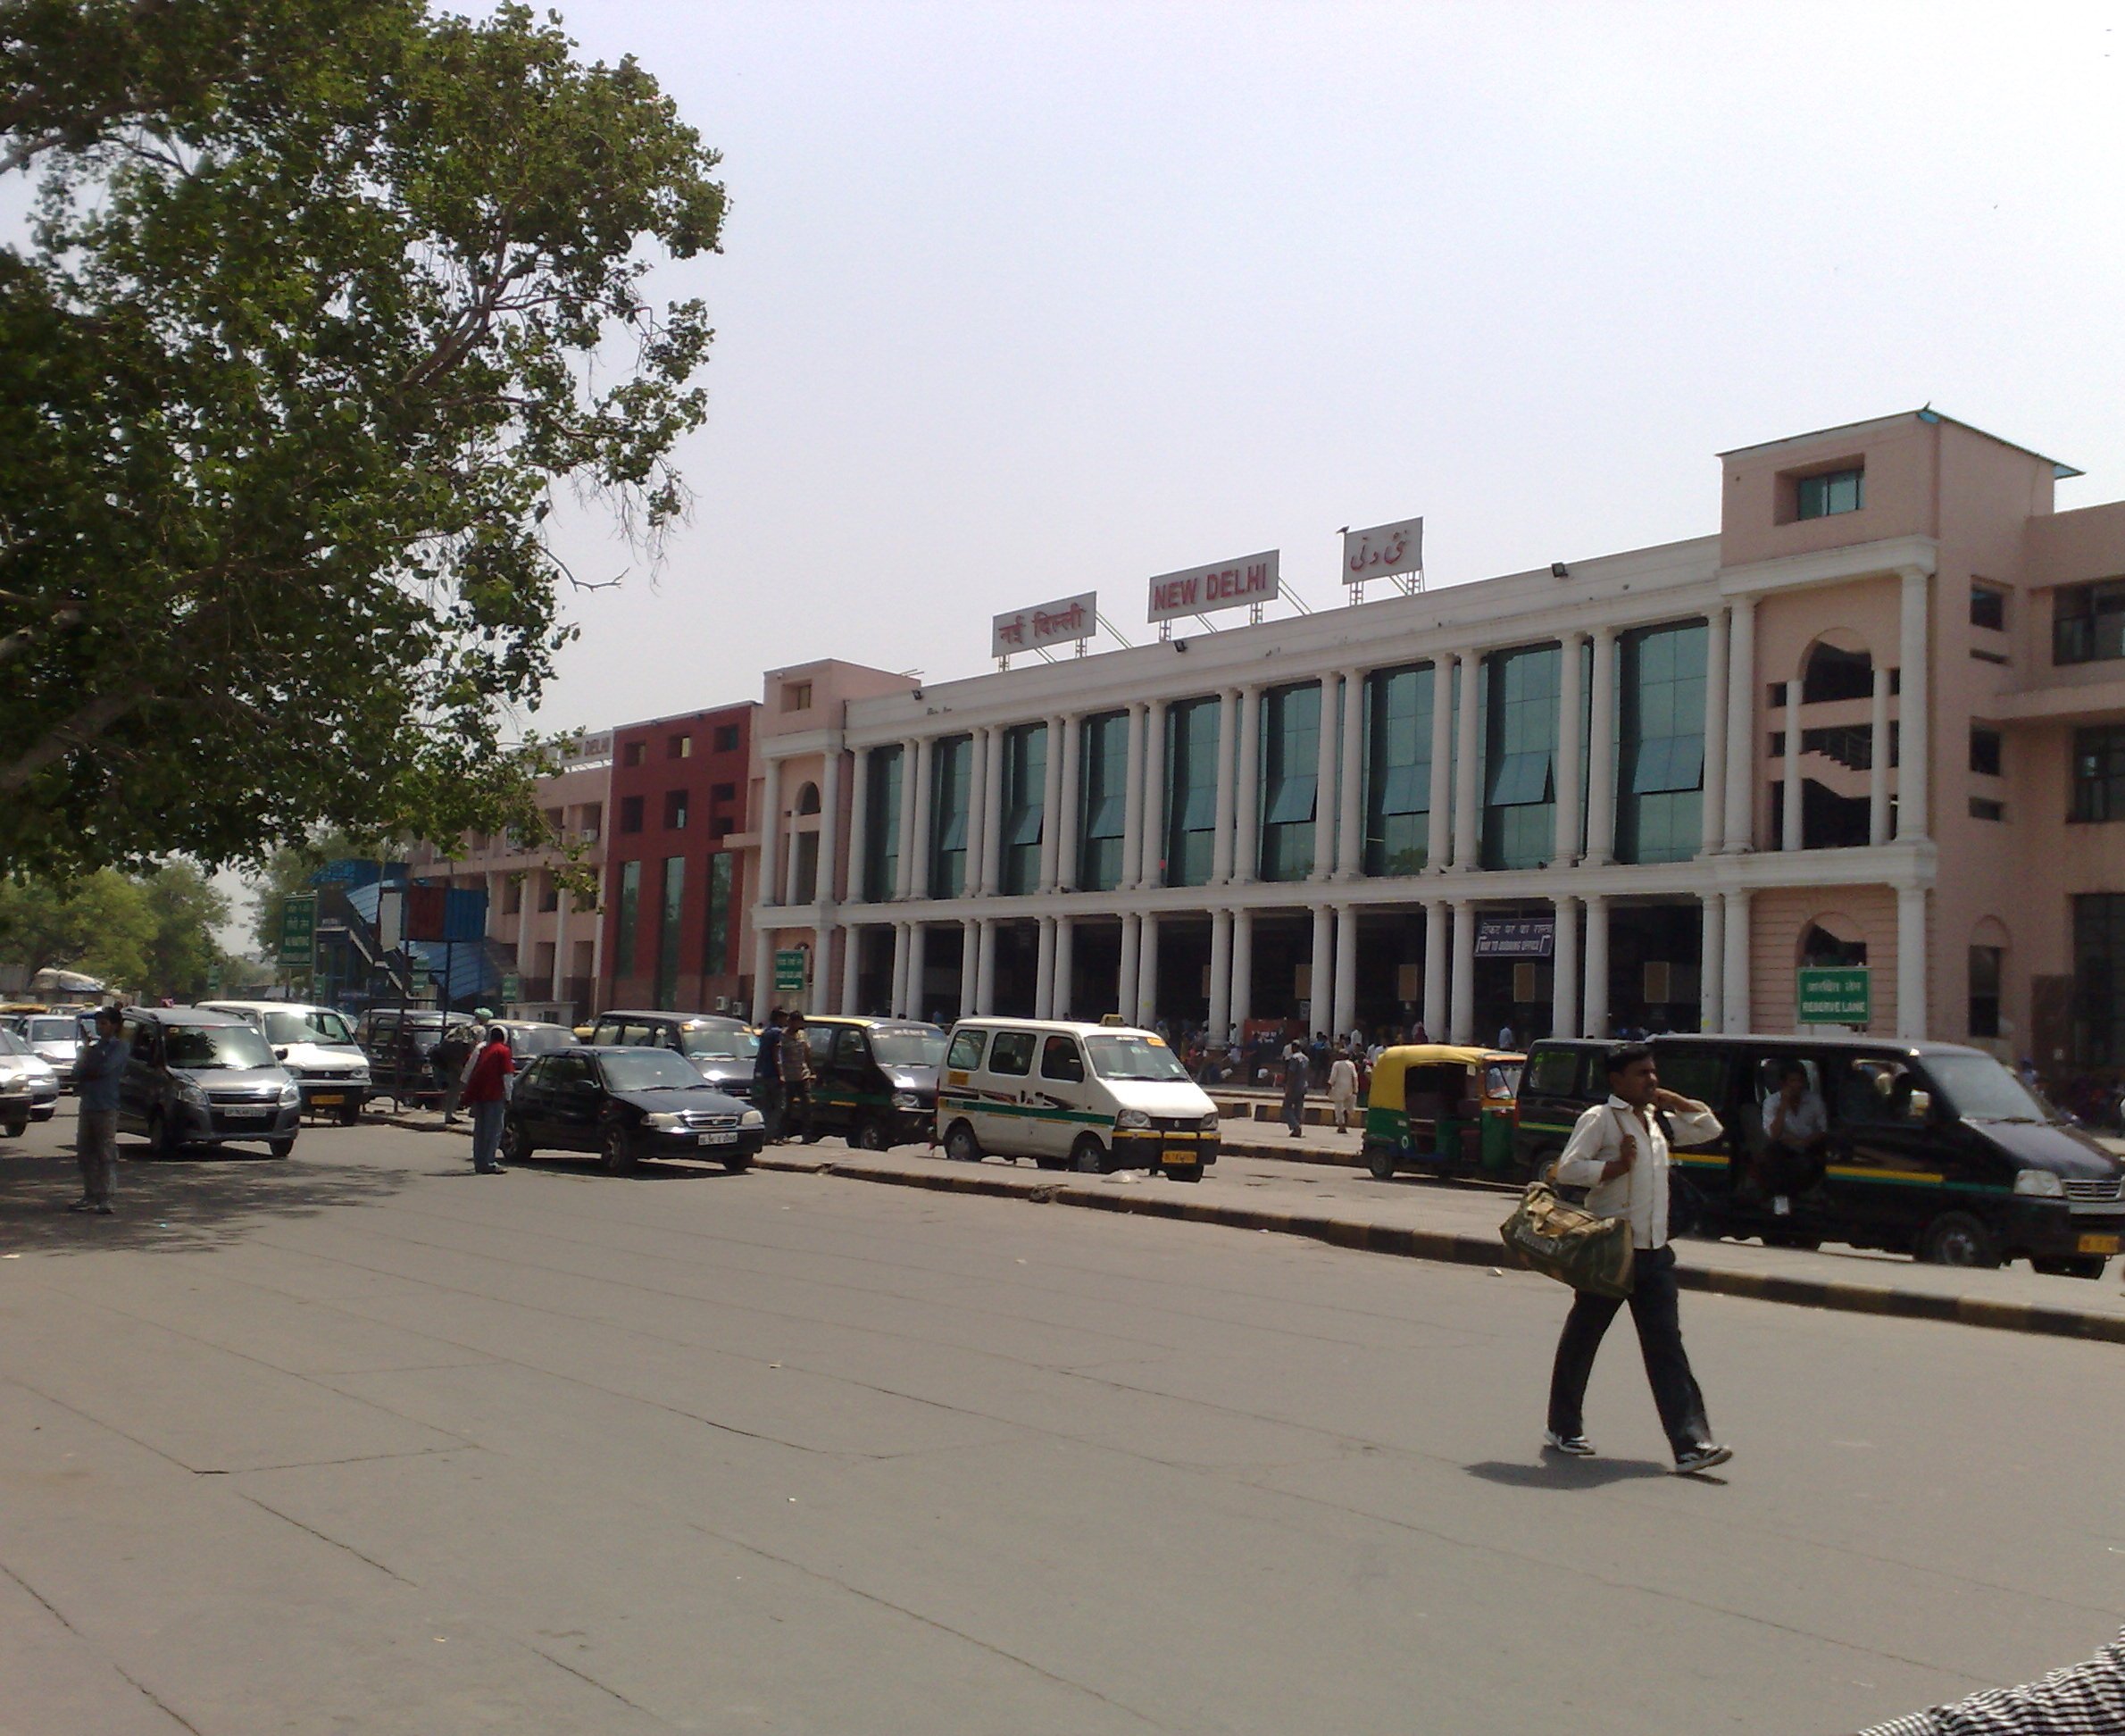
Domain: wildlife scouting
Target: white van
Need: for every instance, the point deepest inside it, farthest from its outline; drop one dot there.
(1082, 1097)
(317, 1045)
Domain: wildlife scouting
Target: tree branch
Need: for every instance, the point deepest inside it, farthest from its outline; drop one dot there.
(84, 727)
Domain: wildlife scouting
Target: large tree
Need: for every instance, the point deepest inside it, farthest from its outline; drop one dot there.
(321, 300)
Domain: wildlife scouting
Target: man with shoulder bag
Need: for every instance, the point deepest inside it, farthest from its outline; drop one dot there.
(1618, 1152)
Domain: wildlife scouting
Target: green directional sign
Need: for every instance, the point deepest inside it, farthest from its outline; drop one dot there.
(789, 971)
(513, 987)
(1839, 995)
(298, 930)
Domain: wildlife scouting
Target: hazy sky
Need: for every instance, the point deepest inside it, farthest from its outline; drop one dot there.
(1019, 299)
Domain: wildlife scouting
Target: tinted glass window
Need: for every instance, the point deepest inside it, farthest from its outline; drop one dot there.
(1012, 1053)
(11, 1044)
(1060, 1059)
(965, 1054)
(1699, 1076)
(607, 1032)
(1133, 1059)
(908, 1049)
(1871, 1088)
(50, 1031)
(564, 1069)
(721, 1041)
(1553, 1072)
(318, 1026)
(215, 1046)
(1978, 1086)
(653, 1070)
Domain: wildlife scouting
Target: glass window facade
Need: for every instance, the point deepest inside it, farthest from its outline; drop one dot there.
(1290, 763)
(669, 918)
(2088, 623)
(1191, 790)
(1829, 492)
(881, 822)
(715, 929)
(2099, 979)
(1025, 796)
(951, 782)
(1659, 774)
(623, 927)
(1104, 773)
(1397, 769)
(2098, 775)
(1520, 777)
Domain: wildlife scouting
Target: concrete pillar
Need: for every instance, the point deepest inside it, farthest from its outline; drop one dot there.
(1565, 849)
(1066, 959)
(1132, 812)
(1712, 961)
(1069, 801)
(1914, 717)
(1596, 1000)
(1467, 834)
(918, 882)
(985, 968)
(769, 825)
(1792, 823)
(526, 949)
(1240, 1002)
(1911, 956)
(896, 996)
(1350, 859)
(852, 971)
(830, 830)
(1148, 970)
(1346, 969)
(1440, 843)
(1125, 985)
(1220, 1016)
(918, 949)
(1878, 773)
(988, 798)
(1438, 968)
(1735, 1014)
(789, 856)
(763, 974)
(1247, 817)
(903, 871)
(969, 960)
(1741, 727)
(1051, 806)
(1153, 873)
(859, 824)
(1044, 968)
(1220, 846)
(1324, 796)
(1564, 977)
(1601, 758)
(1713, 807)
(1460, 1021)
(1320, 972)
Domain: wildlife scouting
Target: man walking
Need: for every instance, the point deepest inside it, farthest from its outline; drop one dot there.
(1297, 1071)
(97, 1074)
(485, 1094)
(1618, 1151)
(1343, 1090)
(796, 1077)
(767, 1076)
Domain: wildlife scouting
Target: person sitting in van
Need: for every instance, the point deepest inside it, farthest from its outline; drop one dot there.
(1797, 1135)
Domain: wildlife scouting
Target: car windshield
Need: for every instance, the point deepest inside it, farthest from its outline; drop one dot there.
(539, 1040)
(215, 1046)
(908, 1049)
(719, 1043)
(1133, 1059)
(316, 1026)
(1980, 1088)
(11, 1044)
(647, 1070)
(52, 1030)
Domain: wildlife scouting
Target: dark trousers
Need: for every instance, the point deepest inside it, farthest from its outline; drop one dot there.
(767, 1098)
(1653, 1312)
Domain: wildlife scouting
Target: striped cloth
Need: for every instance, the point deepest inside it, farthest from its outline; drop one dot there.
(2085, 1699)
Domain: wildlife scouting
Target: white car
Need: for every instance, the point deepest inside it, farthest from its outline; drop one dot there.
(317, 1045)
(29, 1087)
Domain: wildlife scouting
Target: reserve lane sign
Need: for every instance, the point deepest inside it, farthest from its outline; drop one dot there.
(1839, 995)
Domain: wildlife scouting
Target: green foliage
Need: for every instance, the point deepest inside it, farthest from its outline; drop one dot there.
(288, 871)
(151, 934)
(323, 298)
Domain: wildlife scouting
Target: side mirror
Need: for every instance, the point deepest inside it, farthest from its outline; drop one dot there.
(279, 1055)
(1920, 1108)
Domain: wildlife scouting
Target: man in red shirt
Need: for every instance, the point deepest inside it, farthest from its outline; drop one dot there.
(485, 1094)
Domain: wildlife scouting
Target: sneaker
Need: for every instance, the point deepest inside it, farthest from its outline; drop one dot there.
(82, 1205)
(1702, 1457)
(1578, 1445)
(102, 1211)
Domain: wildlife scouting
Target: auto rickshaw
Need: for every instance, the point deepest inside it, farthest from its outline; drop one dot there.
(1442, 1108)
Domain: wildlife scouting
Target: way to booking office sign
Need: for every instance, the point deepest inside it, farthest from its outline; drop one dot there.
(1839, 995)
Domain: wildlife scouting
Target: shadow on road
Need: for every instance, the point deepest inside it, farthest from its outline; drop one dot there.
(657, 1169)
(1561, 1472)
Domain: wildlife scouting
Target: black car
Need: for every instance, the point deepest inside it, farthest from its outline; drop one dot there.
(874, 1080)
(625, 1105)
(721, 1047)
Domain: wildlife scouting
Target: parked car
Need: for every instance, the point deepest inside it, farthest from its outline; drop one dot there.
(626, 1104)
(874, 1080)
(399, 1042)
(317, 1047)
(721, 1047)
(199, 1078)
(55, 1039)
(29, 1077)
(1446, 1109)
(1933, 1149)
(1085, 1097)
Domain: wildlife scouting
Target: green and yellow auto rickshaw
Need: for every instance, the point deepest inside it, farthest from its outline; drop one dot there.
(1441, 1108)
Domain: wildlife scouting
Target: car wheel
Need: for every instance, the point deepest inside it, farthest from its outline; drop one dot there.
(159, 1142)
(1184, 1172)
(2082, 1266)
(616, 1152)
(1381, 1161)
(872, 1136)
(281, 1147)
(1053, 1163)
(738, 1164)
(351, 1114)
(1956, 1238)
(1540, 1164)
(961, 1145)
(1088, 1157)
(16, 1129)
(516, 1144)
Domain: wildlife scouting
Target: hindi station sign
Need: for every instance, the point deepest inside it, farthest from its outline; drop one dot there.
(1051, 623)
(1383, 551)
(1226, 585)
(1516, 937)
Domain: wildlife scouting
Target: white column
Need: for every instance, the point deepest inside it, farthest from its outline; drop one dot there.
(1148, 970)
(988, 764)
(1240, 1004)
(1051, 806)
(1596, 1003)
(1044, 968)
(763, 973)
(1320, 976)
(852, 972)
(859, 822)
(1911, 954)
(1712, 807)
(1066, 958)
(917, 960)
(1735, 1014)
(896, 996)
(1467, 834)
(1914, 714)
(769, 825)
(1565, 850)
(1324, 802)
(1220, 849)
(1601, 758)
(918, 878)
(1153, 873)
(830, 827)
(1878, 773)
(904, 870)
(1132, 814)
(1563, 970)
(1712, 960)
(558, 990)
(1219, 1016)
(1439, 845)
(1350, 858)
(1790, 825)
(1346, 969)
(789, 857)
(1741, 726)
(1461, 1022)
(1068, 802)
(527, 902)
(1125, 984)
(970, 961)
(1437, 967)
(985, 968)
(1246, 818)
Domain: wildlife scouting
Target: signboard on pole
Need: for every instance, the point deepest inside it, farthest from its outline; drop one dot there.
(1225, 585)
(1050, 623)
(513, 988)
(1839, 995)
(1383, 551)
(789, 971)
(298, 930)
(1516, 937)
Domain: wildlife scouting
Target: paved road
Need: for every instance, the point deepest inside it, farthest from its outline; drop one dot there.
(362, 1443)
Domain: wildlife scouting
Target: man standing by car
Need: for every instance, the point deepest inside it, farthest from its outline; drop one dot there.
(796, 1077)
(1618, 1152)
(1797, 1131)
(767, 1076)
(452, 1059)
(98, 1071)
(487, 1094)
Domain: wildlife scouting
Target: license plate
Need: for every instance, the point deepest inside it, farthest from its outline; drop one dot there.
(1175, 1155)
(331, 1102)
(246, 1115)
(718, 1139)
(2098, 1244)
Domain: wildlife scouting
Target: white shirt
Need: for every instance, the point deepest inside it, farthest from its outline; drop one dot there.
(1343, 1079)
(1641, 1192)
(1806, 1121)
